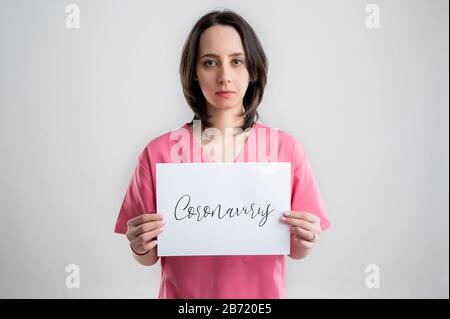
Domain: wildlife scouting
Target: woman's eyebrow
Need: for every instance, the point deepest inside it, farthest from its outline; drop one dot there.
(216, 56)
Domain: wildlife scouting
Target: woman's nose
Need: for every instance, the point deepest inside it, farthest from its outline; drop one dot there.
(223, 75)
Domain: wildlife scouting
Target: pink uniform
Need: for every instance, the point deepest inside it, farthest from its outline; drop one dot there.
(222, 276)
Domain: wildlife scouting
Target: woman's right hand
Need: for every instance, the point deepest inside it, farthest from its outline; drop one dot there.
(142, 231)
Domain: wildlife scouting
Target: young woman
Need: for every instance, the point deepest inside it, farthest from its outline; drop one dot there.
(223, 74)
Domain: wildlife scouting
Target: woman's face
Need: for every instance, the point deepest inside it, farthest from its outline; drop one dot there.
(221, 65)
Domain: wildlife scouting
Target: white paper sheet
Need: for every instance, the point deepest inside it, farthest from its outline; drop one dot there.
(260, 192)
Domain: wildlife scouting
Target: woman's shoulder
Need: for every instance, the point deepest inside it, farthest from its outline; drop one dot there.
(168, 138)
(157, 148)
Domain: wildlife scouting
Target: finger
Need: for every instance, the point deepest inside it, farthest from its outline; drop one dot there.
(307, 244)
(298, 223)
(302, 215)
(144, 218)
(313, 227)
(146, 227)
(149, 236)
(304, 234)
(150, 245)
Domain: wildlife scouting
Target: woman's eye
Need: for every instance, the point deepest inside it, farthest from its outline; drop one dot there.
(237, 61)
(209, 63)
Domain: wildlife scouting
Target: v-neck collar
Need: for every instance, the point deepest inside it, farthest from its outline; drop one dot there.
(205, 158)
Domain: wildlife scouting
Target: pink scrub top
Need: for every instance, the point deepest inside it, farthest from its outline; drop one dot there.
(256, 276)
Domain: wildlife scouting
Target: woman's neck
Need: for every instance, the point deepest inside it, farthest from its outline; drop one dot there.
(227, 119)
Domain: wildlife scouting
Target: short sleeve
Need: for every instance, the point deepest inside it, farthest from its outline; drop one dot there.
(305, 192)
(139, 197)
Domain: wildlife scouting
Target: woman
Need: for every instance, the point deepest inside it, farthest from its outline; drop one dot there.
(223, 74)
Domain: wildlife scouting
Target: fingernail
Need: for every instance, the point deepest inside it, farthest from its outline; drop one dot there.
(161, 229)
(283, 219)
(286, 213)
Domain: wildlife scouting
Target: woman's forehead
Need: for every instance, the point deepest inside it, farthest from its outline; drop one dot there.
(220, 40)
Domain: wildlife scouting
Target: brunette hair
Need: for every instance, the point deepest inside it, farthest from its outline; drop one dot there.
(256, 62)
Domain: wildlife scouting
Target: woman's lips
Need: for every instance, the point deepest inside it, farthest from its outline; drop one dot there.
(225, 94)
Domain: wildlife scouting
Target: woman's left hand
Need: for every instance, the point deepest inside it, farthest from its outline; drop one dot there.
(305, 227)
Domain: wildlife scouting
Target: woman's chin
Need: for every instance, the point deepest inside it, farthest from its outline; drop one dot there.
(224, 105)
